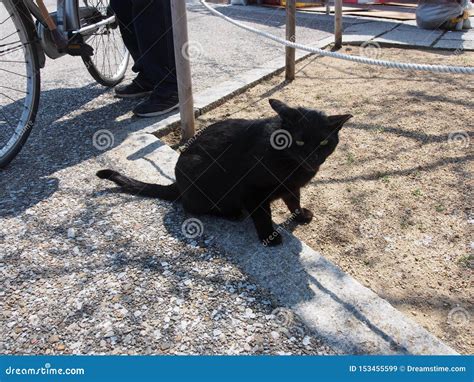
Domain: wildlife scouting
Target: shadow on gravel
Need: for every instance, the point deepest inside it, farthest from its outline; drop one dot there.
(282, 270)
(62, 138)
(275, 268)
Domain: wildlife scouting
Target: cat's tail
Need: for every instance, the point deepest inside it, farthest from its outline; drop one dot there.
(136, 187)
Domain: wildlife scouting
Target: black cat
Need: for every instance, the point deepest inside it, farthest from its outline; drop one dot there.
(237, 165)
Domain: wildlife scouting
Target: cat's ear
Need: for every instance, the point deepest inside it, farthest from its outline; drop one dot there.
(283, 110)
(337, 121)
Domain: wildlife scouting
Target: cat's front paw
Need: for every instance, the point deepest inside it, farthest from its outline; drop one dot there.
(272, 240)
(303, 215)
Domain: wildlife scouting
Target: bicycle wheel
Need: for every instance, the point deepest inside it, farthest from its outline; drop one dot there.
(19, 78)
(110, 60)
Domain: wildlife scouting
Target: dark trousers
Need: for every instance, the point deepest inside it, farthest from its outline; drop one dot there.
(146, 28)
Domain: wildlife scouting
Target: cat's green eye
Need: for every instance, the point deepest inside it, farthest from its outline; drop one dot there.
(324, 143)
(300, 143)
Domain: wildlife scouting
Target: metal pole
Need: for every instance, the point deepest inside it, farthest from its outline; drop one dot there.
(183, 68)
(338, 24)
(290, 35)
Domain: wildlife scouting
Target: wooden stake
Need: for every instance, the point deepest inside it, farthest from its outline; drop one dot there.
(183, 68)
(290, 35)
(338, 24)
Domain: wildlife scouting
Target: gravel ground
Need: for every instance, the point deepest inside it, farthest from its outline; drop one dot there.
(89, 272)
(85, 272)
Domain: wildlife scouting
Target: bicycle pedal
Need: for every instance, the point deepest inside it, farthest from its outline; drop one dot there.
(79, 49)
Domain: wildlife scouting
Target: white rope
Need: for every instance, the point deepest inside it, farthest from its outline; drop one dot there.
(359, 59)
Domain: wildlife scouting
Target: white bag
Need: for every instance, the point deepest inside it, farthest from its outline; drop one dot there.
(435, 14)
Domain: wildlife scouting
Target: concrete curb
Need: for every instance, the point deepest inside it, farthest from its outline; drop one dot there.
(348, 316)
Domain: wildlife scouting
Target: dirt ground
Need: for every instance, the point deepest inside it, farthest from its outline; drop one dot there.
(393, 205)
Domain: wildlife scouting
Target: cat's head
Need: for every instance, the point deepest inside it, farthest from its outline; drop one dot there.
(311, 135)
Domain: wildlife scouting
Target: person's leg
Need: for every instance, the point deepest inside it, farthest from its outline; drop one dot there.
(154, 31)
(123, 12)
(140, 86)
(155, 39)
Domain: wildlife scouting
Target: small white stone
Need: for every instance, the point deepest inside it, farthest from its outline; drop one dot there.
(34, 320)
(240, 332)
(109, 334)
(306, 341)
(249, 313)
(275, 335)
(71, 233)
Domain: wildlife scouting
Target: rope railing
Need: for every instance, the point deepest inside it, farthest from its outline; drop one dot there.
(342, 56)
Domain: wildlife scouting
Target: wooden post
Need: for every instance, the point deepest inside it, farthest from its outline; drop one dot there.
(183, 68)
(338, 24)
(290, 35)
(328, 7)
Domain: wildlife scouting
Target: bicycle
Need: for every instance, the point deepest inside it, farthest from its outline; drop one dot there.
(85, 28)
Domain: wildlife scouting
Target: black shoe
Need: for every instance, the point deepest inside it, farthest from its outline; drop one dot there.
(132, 90)
(157, 105)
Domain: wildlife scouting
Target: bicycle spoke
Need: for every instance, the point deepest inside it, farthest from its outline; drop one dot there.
(16, 90)
(108, 60)
(10, 72)
(4, 21)
(6, 118)
(11, 34)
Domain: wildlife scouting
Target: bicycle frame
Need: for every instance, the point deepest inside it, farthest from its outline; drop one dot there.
(67, 17)
(68, 23)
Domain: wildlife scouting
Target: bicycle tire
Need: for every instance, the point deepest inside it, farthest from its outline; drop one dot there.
(24, 24)
(97, 73)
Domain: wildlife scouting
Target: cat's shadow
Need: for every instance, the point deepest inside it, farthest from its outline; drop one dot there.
(276, 268)
(287, 271)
